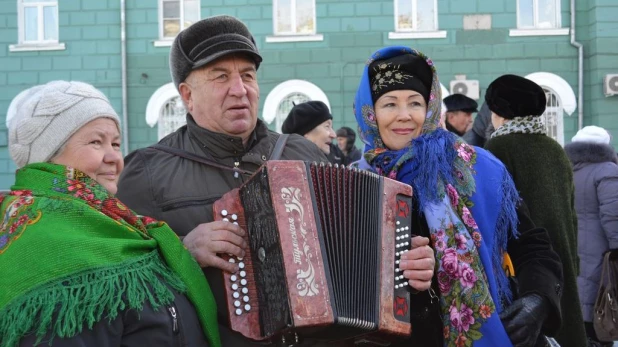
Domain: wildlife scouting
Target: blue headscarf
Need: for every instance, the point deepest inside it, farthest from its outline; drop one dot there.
(468, 199)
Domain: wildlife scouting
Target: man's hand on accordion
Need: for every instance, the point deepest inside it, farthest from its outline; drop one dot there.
(418, 264)
(208, 240)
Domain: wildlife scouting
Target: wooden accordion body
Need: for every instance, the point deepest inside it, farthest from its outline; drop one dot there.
(324, 244)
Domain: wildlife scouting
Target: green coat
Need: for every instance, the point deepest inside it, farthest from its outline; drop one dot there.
(544, 177)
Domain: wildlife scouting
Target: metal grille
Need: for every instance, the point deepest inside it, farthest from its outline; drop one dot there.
(552, 117)
(286, 105)
(172, 117)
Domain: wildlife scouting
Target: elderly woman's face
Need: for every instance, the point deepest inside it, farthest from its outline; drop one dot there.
(400, 115)
(95, 150)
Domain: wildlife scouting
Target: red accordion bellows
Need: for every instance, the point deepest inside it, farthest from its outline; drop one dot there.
(324, 244)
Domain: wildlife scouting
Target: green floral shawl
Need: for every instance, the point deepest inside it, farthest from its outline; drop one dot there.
(71, 255)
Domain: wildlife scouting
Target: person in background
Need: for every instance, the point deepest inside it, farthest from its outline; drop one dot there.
(595, 172)
(465, 203)
(313, 120)
(346, 137)
(544, 178)
(459, 109)
(79, 267)
(481, 128)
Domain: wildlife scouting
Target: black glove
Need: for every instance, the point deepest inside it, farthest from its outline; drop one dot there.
(524, 319)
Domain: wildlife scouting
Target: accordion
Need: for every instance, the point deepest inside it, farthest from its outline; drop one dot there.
(324, 244)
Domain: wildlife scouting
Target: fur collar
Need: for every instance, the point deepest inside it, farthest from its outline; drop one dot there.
(587, 152)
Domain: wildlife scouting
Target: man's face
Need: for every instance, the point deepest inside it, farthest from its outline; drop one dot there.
(460, 120)
(223, 96)
(342, 142)
(322, 135)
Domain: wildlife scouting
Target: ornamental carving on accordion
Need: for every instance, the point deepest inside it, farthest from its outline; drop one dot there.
(324, 244)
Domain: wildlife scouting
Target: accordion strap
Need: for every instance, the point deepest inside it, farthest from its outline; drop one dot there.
(276, 153)
(197, 158)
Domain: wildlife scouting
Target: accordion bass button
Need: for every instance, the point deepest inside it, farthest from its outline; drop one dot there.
(234, 217)
(247, 307)
(236, 295)
(243, 282)
(225, 220)
(397, 222)
(233, 278)
(245, 298)
(234, 286)
(238, 312)
(243, 274)
(237, 303)
(241, 265)
(245, 290)
(232, 260)
(224, 213)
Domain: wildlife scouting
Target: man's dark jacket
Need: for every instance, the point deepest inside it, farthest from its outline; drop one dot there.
(181, 192)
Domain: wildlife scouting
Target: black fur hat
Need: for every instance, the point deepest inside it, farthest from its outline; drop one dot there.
(511, 96)
(208, 40)
(306, 116)
(460, 102)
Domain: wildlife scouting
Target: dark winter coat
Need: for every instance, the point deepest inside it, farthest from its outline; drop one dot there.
(542, 174)
(596, 203)
(181, 192)
(131, 328)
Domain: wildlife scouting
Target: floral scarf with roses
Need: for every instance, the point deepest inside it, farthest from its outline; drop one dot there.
(74, 255)
(468, 199)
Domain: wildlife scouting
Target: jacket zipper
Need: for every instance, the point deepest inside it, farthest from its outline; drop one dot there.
(172, 310)
(173, 206)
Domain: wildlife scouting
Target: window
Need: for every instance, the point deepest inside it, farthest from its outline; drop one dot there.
(416, 15)
(282, 98)
(552, 117)
(538, 14)
(165, 109)
(176, 15)
(294, 17)
(38, 21)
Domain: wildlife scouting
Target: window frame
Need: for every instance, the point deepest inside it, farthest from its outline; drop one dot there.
(414, 18)
(21, 22)
(293, 20)
(535, 16)
(182, 17)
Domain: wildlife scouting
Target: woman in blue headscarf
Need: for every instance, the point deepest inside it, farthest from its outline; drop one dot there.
(466, 203)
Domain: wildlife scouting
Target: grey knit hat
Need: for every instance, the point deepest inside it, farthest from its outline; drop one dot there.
(208, 40)
(48, 115)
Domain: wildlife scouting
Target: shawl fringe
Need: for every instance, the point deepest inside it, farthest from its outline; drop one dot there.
(64, 306)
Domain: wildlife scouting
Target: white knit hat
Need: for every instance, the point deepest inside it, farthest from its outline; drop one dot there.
(48, 115)
(592, 133)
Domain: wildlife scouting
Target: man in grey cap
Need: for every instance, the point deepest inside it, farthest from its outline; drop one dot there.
(214, 66)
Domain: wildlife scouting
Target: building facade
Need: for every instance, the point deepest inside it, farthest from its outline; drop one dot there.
(313, 49)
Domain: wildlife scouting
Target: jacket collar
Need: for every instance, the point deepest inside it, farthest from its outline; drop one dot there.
(221, 145)
(587, 152)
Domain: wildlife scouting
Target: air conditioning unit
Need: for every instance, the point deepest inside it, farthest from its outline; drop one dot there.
(610, 84)
(461, 85)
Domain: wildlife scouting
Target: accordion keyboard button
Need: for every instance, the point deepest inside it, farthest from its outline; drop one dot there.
(225, 220)
(398, 222)
(234, 217)
(238, 312)
(243, 282)
(245, 298)
(235, 286)
(243, 274)
(236, 295)
(241, 265)
(237, 303)
(233, 278)
(247, 307)
(232, 260)
(224, 213)
(245, 290)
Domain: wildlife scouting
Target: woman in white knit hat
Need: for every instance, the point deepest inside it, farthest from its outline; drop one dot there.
(595, 174)
(80, 268)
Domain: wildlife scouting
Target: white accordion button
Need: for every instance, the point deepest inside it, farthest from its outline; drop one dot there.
(243, 282)
(237, 303)
(235, 286)
(238, 312)
(232, 260)
(243, 274)
(245, 298)
(241, 265)
(225, 220)
(235, 223)
(236, 295)
(245, 290)
(398, 222)
(397, 262)
(224, 213)
(247, 307)
(234, 217)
